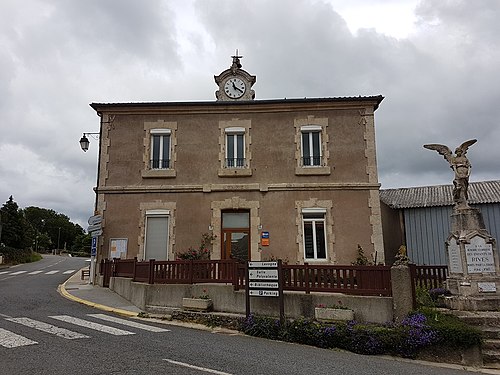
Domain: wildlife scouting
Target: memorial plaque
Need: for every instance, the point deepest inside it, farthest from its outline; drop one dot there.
(486, 287)
(479, 256)
(454, 258)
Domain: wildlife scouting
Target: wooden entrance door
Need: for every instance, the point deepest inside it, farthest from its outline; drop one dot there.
(236, 235)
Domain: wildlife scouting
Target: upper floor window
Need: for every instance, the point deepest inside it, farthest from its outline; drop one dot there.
(160, 149)
(235, 155)
(311, 145)
(235, 148)
(312, 150)
(160, 153)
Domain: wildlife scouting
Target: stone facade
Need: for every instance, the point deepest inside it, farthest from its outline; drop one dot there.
(272, 185)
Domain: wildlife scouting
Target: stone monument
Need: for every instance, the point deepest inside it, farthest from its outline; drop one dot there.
(473, 265)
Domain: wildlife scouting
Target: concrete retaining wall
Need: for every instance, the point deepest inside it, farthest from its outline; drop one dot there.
(225, 299)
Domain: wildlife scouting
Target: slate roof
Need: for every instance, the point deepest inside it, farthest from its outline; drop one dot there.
(440, 195)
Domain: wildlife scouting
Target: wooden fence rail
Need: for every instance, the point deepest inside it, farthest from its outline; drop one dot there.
(429, 277)
(360, 280)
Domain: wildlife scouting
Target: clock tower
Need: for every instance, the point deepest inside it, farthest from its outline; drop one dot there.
(234, 83)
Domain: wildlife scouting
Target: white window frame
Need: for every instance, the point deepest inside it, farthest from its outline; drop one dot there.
(313, 221)
(157, 214)
(161, 133)
(310, 130)
(234, 131)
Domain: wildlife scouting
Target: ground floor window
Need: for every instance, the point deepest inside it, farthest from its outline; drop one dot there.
(314, 233)
(156, 241)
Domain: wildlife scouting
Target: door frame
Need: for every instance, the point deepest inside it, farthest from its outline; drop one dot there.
(225, 252)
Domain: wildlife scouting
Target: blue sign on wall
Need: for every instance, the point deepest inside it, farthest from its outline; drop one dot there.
(265, 234)
(93, 247)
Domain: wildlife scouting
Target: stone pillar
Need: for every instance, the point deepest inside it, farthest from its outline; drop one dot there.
(402, 294)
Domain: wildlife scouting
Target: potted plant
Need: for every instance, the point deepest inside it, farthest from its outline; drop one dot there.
(334, 312)
(200, 303)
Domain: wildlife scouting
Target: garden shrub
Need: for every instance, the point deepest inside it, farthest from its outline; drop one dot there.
(451, 331)
(16, 256)
(419, 330)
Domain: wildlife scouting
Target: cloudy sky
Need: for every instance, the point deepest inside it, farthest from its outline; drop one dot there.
(437, 62)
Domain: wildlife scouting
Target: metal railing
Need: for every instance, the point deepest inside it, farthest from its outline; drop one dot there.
(235, 162)
(160, 163)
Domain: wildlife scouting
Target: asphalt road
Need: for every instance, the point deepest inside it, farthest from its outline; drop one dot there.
(43, 333)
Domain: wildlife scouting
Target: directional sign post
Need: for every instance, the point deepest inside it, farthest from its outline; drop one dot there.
(95, 229)
(264, 279)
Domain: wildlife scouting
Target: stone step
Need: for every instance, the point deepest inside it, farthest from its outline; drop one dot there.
(478, 318)
(470, 303)
(491, 359)
(491, 344)
(490, 332)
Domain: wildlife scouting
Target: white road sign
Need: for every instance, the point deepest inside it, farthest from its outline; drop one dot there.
(97, 233)
(263, 284)
(264, 293)
(96, 219)
(263, 264)
(95, 227)
(263, 274)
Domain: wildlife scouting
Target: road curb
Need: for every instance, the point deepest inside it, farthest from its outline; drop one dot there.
(62, 290)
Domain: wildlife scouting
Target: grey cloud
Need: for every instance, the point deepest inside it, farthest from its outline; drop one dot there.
(58, 56)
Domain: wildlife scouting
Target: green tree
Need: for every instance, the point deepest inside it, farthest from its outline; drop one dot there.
(13, 225)
(81, 244)
(51, 230)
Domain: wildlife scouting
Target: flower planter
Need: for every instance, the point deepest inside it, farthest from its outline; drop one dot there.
(329, 314)
(197, 304)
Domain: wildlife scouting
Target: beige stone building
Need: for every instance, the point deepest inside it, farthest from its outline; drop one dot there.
(294, 179)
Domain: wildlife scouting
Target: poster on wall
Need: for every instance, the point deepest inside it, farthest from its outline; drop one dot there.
(118, 247)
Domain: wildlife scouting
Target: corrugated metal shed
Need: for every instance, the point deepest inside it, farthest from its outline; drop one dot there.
(441, 195)
(426, 214)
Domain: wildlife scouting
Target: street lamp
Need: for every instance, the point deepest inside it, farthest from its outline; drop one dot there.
(84, 144)
(84, 141)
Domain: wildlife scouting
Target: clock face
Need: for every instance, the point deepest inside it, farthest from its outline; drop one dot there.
(234, 88)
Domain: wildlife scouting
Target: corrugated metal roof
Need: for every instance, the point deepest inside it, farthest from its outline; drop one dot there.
(440, 195)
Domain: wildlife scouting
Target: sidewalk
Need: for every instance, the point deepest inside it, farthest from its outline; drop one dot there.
(101, 298)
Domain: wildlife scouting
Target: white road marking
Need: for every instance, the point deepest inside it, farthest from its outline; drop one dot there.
(51, 272)
(35, 272)
(11, 340)
(68, 271)
(1, 273)
(17, 273)
(49, 328)
(91, 325)
(129, 323)
(196, 367)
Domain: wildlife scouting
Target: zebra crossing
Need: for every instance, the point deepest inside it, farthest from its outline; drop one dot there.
(38, 272)
(9, 339)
